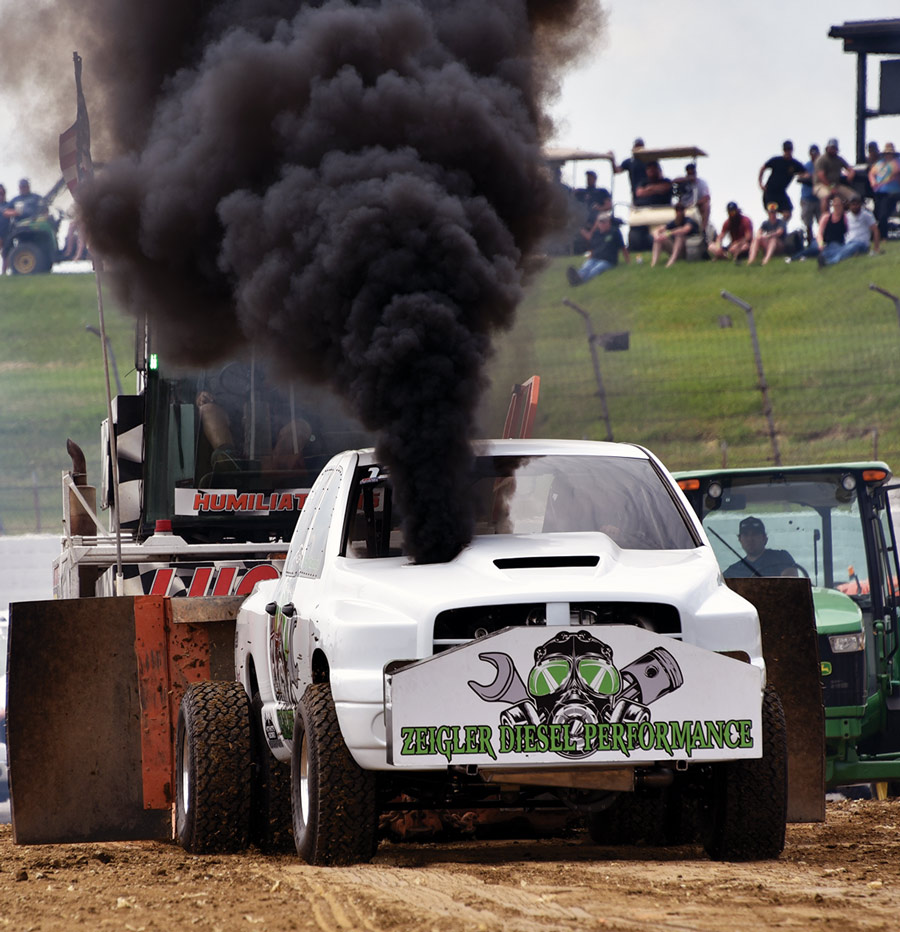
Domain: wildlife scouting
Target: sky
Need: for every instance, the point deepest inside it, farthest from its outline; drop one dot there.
(736, 79)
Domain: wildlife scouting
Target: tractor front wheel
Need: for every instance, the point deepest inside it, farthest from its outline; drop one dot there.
(28, 259)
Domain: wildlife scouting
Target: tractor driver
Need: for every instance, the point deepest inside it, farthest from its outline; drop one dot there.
(759, 560)
(25, 204)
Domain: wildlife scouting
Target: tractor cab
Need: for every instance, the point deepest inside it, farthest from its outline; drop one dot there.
(830, 524)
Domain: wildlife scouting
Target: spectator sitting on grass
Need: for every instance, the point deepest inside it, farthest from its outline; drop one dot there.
(606, 241)
(830, 235)
(862, 230)
(770, 235)
(738, 229)
(672, 237)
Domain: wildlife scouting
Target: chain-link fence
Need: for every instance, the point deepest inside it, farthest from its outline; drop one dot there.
(816, 383)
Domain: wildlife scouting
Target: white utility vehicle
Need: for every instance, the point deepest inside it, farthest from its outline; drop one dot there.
(582, 651)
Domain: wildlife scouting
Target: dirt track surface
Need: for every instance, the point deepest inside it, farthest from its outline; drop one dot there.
(843, 875)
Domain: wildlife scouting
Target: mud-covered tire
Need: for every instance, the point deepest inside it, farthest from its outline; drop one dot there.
(271, 825)
(212, 768)
(747, 811)
(332, 797)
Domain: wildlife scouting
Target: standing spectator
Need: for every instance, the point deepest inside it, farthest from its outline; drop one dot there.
(809, 203)
(861, 231)
(694, 192)
(656, 190)
(4, 219)
(782, 171)
(606, 241)
(739, 231)
(770, 236)
(833, 175)
(872, 156)
(884, 176)
(590, 195)
(637, 170)
(672, 237)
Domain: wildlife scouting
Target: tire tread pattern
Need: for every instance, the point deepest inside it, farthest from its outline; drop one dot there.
(749, 805)
(342, 825)
(216, 721)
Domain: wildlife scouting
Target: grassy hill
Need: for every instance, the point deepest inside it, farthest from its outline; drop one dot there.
(51, 388)
(687, 386)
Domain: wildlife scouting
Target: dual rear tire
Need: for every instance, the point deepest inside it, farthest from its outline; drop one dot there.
(231, 790)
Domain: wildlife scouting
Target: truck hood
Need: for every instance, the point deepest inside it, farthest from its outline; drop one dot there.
(528, 568)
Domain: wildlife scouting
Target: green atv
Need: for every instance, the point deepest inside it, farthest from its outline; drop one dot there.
(832, 524)
(31, 245)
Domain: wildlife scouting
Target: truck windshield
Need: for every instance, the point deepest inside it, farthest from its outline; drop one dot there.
(809, 526)
(622, 497)
(234, 449)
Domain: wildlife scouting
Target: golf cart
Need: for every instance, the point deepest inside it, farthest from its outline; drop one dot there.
(564, 243)
(642, 221)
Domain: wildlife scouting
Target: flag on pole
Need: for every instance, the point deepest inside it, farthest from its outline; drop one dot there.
(75, 142)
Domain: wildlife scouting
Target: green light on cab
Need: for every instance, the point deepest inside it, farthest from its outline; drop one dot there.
(154, 361)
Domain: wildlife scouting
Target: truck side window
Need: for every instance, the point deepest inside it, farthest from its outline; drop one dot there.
(313, 557)
(302, 528)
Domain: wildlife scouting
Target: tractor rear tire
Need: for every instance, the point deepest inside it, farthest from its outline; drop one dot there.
(212, 761)
(271, 826)
(333, 799)
(28, 259)
(746, 816)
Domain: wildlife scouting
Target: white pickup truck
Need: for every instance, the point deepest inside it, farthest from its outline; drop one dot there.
(582, 651)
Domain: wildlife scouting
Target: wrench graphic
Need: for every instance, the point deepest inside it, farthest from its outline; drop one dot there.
(506, 686)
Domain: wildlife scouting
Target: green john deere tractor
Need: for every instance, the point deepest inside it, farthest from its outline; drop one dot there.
(832, 524)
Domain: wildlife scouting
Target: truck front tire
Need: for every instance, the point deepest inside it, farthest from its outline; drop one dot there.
(212, 768)
(747, 810)
(332, 797)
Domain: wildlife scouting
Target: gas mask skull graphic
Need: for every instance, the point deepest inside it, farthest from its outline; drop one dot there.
(574, 682)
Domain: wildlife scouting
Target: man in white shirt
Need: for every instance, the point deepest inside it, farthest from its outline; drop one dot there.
(862, 230)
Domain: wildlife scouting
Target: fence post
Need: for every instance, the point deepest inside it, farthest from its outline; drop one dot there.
(37, 500)
(763, 385)
(592, 343)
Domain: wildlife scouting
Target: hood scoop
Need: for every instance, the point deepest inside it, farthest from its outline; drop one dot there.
(540, 563)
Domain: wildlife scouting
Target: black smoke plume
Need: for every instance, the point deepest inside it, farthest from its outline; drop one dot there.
(353, 187)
